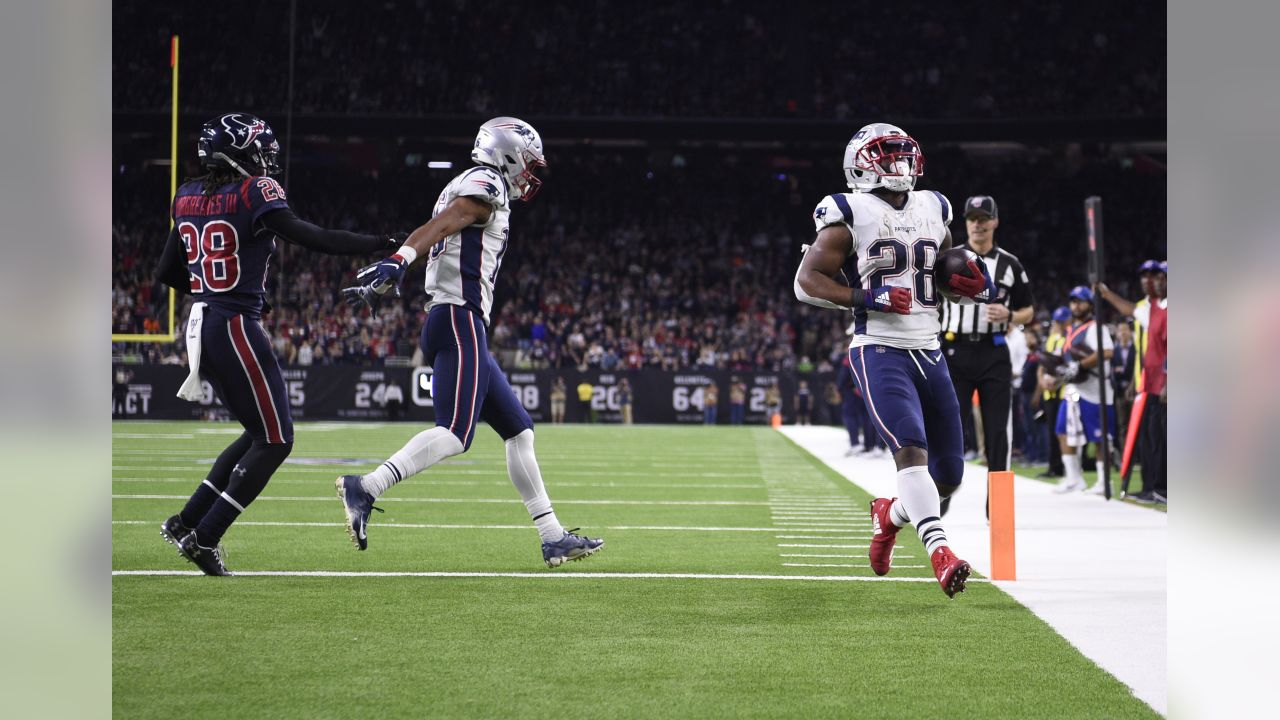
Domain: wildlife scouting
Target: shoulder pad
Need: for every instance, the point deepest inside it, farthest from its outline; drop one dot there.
(833, 210)
(484, 183)
(944, 206)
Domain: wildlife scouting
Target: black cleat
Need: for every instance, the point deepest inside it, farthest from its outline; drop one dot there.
(209, 560)
(172, 530)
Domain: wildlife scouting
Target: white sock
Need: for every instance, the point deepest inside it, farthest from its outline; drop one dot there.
(522, 466)
(1075, 470)
(898, 514)
(421, 452)
(919, 498)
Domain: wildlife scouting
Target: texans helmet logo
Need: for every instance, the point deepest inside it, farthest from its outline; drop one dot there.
(242, 133)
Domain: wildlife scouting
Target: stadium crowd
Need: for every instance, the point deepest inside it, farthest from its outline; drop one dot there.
(626, 262)
(414, 57)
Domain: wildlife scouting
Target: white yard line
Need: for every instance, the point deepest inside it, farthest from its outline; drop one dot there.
(504, 482)
(808, 545)
(851, 565)
(198, 467)
(1095, 571)
(850, 535)
(501, 501)
(896, 556)
(539, 575)
(432, 526)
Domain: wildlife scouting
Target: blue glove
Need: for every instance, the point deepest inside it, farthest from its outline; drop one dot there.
(376, 282)
(888, 299)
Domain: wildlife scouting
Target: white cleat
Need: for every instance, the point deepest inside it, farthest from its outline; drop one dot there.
(1066, 486)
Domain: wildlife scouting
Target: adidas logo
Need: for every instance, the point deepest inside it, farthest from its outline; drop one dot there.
(984, 295)
(883, 298)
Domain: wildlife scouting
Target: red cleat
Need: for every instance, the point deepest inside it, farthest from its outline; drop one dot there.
(884, 535)
(951, 571)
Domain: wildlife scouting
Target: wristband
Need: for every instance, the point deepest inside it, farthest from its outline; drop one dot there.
(858, 298)
(407, 254)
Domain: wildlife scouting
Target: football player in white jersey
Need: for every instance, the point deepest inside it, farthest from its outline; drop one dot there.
(463, 245)
(894, 234)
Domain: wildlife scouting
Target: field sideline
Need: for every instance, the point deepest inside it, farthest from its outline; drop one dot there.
(734, 582)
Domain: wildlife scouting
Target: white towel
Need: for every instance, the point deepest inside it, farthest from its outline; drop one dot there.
(192, 388)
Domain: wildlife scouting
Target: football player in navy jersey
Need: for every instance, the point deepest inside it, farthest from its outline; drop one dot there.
(225, 226)
(463, 245)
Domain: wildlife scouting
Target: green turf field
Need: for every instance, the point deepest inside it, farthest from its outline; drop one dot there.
(675, 504)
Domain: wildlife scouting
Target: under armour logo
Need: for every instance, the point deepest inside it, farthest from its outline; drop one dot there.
(238, 470)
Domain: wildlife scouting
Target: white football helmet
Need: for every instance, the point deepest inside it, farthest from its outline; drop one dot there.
(512, 147)
(882, 155)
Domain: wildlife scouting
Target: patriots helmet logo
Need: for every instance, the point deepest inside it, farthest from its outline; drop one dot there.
(488, 187)
(820, 213)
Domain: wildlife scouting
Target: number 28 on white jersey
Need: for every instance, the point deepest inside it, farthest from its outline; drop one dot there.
(895, 248)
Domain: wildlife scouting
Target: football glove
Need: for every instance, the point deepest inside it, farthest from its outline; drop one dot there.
(978, 288)
(888, 299)
(377, 281)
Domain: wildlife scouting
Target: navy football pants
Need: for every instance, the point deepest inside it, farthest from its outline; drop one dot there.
(913, 404)
(237, 360)
(466, 383)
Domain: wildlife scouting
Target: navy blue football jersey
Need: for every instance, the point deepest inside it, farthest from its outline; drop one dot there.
(227, 262)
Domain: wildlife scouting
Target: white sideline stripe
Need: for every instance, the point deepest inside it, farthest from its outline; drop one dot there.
(432, 526)
(1111, 606)
(502, 501)
(578, 575)
(850, 547)
(851, 565)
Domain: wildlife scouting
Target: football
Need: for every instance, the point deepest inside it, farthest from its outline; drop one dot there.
(952, 262)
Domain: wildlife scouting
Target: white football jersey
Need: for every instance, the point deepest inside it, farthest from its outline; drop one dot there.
(895, 248)
(462, 269)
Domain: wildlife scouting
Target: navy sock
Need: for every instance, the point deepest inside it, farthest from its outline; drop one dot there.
(248, 478)
(215, 482)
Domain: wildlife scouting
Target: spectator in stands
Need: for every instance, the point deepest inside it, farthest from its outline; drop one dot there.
(1149, 313)
(1029, 400)
(1051, 398)
(772, 401)
(710, 403)
(804, 403)
(624, 400)
(585, 391)
(558, 395)
(737, 400)
(831, 395)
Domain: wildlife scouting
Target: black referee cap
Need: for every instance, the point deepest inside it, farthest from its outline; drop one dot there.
(981, 204)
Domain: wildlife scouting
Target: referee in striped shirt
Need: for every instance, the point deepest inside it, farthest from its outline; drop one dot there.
(973, 336)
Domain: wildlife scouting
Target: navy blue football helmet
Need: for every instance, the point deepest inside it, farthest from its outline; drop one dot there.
(239, 142)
